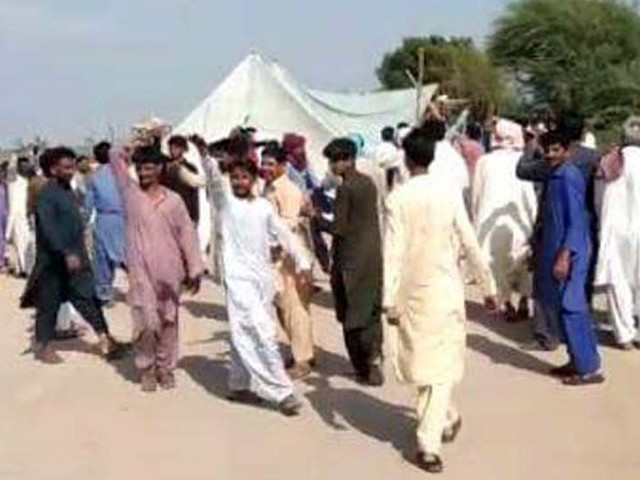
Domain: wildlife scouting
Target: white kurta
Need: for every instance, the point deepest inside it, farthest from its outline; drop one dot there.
(19, 232)
(504, 210)
(249, 229)
(387, 155)
(426, 222)
(449, 165)
(619, 257)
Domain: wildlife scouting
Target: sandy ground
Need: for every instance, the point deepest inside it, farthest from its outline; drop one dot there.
(87, 419)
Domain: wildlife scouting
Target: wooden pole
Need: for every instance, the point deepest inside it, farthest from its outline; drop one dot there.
(420, 84)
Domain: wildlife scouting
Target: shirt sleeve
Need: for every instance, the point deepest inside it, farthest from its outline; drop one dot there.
(120, 170)
(190, 177)
(342, 207)
(187, 239)
(394, 245)
(573, 212)
(89, 202)
(282, 235)
(219, 188)
(469, 242)
(533, 168)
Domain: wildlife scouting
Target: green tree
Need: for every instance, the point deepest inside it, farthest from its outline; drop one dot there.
(578, 56)
(462, 70)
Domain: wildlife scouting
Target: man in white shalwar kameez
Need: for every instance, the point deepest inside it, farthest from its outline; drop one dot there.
(504, 211)
(618, 266)
(19, 232)
(424, 293)
(250, 226)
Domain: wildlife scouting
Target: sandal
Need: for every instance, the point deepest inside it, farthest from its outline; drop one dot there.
(583, 380)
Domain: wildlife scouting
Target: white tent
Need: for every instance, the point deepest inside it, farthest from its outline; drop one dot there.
(262, 94)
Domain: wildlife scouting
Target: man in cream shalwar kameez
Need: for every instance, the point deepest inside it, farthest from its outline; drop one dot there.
(424, 292)
(504, 210)
(619, 260)
(293, 300)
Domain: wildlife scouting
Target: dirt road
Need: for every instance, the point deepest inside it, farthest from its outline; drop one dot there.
(87, 420)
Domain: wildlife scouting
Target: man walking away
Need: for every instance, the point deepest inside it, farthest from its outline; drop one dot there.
(424, 293)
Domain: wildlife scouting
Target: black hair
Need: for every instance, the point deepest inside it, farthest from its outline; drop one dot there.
(402, 125)
(245, 165)
(572, 126)
(434, 129)
(474, 132)
(388, 134)
(56, 154)
(555, 137)
(198, 141)
(23, 160)
(101, 152)
(179, 141)
(219, 147)
(419, 147)
(275, 151)
(148, 155)
(239, 146)
(45, 163)
(81, 158)
(341, 149)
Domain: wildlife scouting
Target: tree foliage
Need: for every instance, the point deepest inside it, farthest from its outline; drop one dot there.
(461, 69)
(581, 56)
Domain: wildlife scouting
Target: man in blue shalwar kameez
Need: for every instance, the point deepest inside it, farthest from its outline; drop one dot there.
(565, 260)
(104, 198)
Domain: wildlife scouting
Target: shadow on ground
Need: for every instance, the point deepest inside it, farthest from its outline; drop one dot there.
(520, 332)
(213, 311)
(503, 354)
(209, 373)
(345, 408)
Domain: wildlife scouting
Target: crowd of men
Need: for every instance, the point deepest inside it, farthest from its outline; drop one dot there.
(530, 215)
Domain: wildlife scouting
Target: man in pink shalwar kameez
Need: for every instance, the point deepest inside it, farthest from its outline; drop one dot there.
(162, 257)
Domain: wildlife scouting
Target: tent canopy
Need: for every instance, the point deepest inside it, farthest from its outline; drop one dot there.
(262, 94)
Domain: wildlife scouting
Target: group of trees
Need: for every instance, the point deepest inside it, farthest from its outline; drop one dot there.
(577, 56)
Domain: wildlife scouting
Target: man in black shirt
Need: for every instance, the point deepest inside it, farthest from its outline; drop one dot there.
(178, 146)
(63, 271)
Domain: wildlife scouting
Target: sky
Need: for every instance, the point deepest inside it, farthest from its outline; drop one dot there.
(69, 69)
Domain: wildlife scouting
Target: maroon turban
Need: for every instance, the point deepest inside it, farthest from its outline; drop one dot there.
(292, 142)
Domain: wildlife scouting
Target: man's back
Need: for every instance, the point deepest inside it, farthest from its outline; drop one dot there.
(425, 209)
(357, 225)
